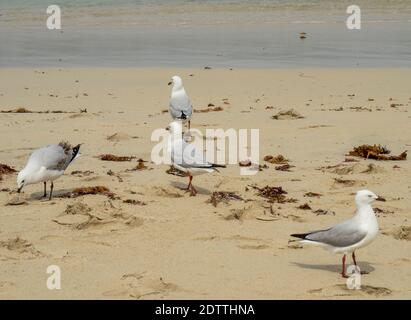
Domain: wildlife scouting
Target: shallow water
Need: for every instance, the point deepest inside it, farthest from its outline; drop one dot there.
(231, 33)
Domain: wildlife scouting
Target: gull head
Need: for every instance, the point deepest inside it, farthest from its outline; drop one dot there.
(366, 197)
(176, 82)
(175, 127)
(22, 180)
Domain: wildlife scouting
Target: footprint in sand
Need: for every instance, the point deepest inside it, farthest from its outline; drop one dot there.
(18, 248)
(80, 216)
(140, 286)
(341, 290)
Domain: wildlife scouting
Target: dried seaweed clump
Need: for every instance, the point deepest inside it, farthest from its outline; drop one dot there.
(83, 191)
(280, 159)
(223, 196)
(5, 169)
(287, 115)
(112, 157)
(273, 194)
(209, 109)
(376, 152)
(134, 202)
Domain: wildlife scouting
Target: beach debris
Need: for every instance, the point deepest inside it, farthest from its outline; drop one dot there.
(303, 35)
(135, 202)
(79, 173)
(376, 152)
(112, 157)
(209, 109)
(287, 115)
(235, 214)
(279, 159)
(140, 166)
(346, 182)
(5, 170)
(24, 110)
(176, 172)
(284, 167)
(304, 206)
(223, 196)
(361, 109)
(401, 233)
(382, 211)
(207, 68)
(322, 212)
(273, 194)
(82, 191)
(312, 194)
(113, 174)
(119, 136)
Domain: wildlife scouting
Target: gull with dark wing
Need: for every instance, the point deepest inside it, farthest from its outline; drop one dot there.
(350, 235)
(47, 164)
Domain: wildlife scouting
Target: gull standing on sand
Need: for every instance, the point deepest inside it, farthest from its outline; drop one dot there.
(186, 157)
(180, 106)
(350, 235)
(47, 164)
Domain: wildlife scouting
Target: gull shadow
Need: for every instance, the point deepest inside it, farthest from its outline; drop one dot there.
(364, 266)
(56, 194)
(183, 186)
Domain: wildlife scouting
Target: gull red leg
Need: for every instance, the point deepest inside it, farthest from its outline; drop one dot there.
(344, 275)
(189, 183)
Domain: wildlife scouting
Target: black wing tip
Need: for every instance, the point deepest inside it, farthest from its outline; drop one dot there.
(299, 235)
(76, 150)
(218, 165)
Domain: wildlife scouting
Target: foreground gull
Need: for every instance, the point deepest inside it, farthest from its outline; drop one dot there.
(350, 235)
(47, 164)
(180, 106)
(186, 157)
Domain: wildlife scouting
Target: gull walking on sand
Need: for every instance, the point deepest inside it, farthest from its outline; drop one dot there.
(47, 164)
(186, 157)
(180, 106)
(350, 235)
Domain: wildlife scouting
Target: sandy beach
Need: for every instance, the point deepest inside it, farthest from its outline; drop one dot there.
(148, 239)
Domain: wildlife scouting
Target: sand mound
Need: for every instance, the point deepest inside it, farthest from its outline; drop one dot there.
(21, 248)
(345, 169)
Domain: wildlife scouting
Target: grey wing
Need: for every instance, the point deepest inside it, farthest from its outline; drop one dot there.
(180, 107)
(342, 235)
(52, 157)
(188, 156)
